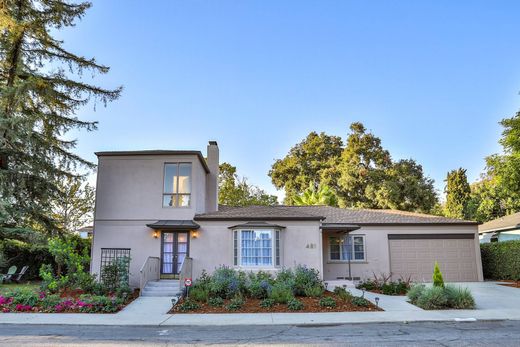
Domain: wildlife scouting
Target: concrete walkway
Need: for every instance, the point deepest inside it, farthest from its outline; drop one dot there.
(494, 302)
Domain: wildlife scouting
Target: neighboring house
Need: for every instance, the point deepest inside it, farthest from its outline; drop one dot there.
(501, 229)
(163, 204)
(85, 232)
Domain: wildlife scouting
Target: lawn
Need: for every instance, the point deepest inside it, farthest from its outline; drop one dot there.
(8, 287)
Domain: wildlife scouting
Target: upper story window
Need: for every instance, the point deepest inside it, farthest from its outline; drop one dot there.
(348, 247)
(177, 185)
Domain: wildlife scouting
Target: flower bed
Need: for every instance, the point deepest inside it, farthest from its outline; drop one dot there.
(383, 285)
(301, 290)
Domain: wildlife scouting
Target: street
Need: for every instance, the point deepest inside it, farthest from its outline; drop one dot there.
(491, 333)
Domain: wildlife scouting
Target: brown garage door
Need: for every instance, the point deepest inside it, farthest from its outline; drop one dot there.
(415, 255)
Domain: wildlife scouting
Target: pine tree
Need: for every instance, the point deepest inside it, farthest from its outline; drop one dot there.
(438, 281)
(40, 90)
(458, 193)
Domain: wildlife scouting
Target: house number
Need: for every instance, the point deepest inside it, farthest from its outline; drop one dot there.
(311, 245)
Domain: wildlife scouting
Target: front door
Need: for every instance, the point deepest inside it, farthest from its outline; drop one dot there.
(174, 248)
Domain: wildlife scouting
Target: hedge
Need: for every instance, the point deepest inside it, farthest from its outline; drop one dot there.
(501, 260)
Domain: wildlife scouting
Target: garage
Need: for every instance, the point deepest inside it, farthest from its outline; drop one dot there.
(414, 255)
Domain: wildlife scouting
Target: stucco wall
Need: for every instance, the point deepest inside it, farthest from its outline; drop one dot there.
(377, 251)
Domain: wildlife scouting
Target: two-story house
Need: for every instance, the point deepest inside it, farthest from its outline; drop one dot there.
(160, 208)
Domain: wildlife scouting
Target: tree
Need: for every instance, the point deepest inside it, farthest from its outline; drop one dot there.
(484, 203)
(39, 95)
(324, 195)
(74, 207)
(306, 163)
(236, 191)
(457, 194)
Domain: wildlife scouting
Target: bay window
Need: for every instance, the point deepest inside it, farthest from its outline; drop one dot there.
(347, 247)
(256, 247)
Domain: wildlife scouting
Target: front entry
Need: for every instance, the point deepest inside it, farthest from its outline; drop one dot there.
(174, 248)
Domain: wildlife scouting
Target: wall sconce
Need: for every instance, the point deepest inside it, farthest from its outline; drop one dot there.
(155, 234)
(194, 234)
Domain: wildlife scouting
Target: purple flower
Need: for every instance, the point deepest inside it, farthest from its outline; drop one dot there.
(80, 303)
(58, 308)
(3, 300)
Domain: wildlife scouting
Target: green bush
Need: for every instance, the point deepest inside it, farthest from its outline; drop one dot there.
(235, 304)
(198, 293)
(415, 292)
(227, 283)
(459, 298)
(360, 301)
(327, 302)
(267, 303)
(188, 305)
(281, 293)
(368, 285)
(438, 281)
(501, 260)
(216, 302)
(304, 278)
(19, 254)
(24, 296)
(385, 286)
(433, 298)
(343, 294)
(286, 276)
(295, 305)
(259, 289)
(50, 301)
(314, 291)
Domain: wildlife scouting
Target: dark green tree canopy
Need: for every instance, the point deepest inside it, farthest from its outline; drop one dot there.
(40, 90)
(457, 194)
(236, 191)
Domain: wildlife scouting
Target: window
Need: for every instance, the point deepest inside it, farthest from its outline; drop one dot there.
(177, 185)
(256, 247)
(348, 247)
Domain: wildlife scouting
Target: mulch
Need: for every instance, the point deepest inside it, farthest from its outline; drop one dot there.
(510, 283)
(309, 305)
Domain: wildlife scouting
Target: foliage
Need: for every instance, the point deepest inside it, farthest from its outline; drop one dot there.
(361, 173)
(295, 305)
(236, 191)
(267, 303)
(415, 292)
(360, 301)
(438, 281)
(281, 293)
(216, 302)
(343, 294)
(458, 193)
(188, 305)
(459, 298)
(304, 279)
(227, 283)
(259, 289)
(22, 253)
(42, 86)
(433, 298)
(501, 260)
(235, 304)
(384, 285)
(314, 291)
(327, 301)
(116, 274)
(199, 293)
(24, 296)
(323, 195)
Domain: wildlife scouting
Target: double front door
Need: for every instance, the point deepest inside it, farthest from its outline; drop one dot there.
(174, 248)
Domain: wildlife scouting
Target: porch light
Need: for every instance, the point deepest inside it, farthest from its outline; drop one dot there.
(155, 234)
(194, 234)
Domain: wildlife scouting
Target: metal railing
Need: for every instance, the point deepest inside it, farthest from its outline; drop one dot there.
(186, 270)
(150, 271)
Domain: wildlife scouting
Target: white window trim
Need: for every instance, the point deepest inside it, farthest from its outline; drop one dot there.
(364, 260)
(191, 185)
(239, 249)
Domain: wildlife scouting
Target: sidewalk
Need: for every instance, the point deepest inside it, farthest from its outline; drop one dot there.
(494, 302)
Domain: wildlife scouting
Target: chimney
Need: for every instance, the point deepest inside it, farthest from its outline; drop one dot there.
(212, 177)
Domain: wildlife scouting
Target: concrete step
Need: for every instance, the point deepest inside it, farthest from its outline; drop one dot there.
(163, 283)
(162, 294)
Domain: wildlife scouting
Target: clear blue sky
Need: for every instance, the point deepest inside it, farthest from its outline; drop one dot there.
(430, 78)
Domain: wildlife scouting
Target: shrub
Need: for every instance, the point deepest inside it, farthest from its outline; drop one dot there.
(198, 293)
(20, 253)
(415, 292)
(314, 291)
(116, 274)
(295, 305)
(235, 304)
(433, 298)
(501, 260)
(360, 301)
(188, 305)
(267, 303)
(24, 296)
(304, 278)
(343, 294)
(50, 301)
(368, 285)
(259, 289)
(98, 303)
(459, 298)
(281, 293)
(216, 302)
(226, 283)
(327, 302)
(438, 281)
(286, 276)
(385, 286)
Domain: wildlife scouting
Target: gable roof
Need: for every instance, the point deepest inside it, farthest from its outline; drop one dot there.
(154, 152)
(329, 215)
(507, 222)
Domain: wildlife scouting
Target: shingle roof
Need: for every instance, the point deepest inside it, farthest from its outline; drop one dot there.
(328, 215)
(507, 222)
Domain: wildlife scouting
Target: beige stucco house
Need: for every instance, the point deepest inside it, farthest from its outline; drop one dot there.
(160, 208)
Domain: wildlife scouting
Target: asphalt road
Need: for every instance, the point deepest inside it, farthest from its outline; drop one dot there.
(497, 333)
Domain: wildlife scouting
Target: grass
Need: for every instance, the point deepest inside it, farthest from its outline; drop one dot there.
(7, 287)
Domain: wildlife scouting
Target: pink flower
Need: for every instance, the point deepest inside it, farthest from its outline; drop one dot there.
(58, 308)
(80, 303)
(6, 310)
(67, 303)
(3, 300)
(42, 295)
